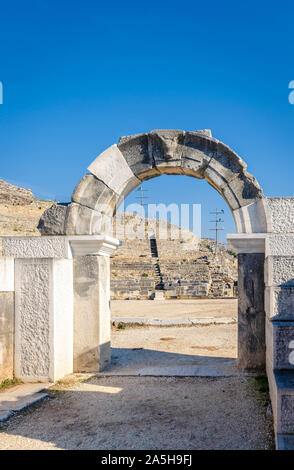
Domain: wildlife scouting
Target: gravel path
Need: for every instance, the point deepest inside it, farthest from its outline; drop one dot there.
(144, 413)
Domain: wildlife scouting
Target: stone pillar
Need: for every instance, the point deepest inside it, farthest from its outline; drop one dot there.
(43, 307)
(45, 344)
(43, 319)
(251, 316)
(92, 302)
(91, 313)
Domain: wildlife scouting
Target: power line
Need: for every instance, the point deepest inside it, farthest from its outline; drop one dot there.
(217, 221)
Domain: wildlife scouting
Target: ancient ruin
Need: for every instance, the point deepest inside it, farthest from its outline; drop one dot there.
(181, 267)
(58, 286)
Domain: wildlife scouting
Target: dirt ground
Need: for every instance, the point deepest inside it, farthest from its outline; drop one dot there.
(143, 402)
(213, 340)
(145, 413)
(166, 309)
(174, 350)
(178, 350)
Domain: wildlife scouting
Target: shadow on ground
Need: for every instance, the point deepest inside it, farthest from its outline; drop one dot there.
(140, 361)
(148, 412)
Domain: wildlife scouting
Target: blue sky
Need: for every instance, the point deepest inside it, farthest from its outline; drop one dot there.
(77, 75)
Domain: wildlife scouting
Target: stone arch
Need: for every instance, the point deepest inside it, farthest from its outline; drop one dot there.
(137, 158)
(73, 269)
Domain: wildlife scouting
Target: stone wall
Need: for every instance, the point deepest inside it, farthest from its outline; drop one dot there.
(132, 288)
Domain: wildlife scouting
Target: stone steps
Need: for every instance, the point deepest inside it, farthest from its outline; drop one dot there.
(166, 262)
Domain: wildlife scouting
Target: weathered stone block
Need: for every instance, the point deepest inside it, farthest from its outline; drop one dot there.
(43, 319)
(84, 221)
(280, 344)
(281, 385)
(91, 313)
(94, 194)
(279, 271)
(251, 218)
(127, 188)
(32, 318)
(282, 394)
(136, 152)
(287, 413)
(279, 303)
(86, 340)
(280, 212)
(223, 166)
(197, 153)
(251, 316)
(112, 168)
(52, 220)
(36, 247)
(242, 190)
(279, 245)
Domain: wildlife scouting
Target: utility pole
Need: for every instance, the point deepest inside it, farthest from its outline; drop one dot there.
(218, 220)
(141, 197)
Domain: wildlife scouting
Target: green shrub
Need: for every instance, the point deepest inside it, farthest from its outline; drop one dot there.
(232, 253)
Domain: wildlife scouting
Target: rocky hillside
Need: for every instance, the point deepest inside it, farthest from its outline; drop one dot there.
(19, 211)
(14, 195)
